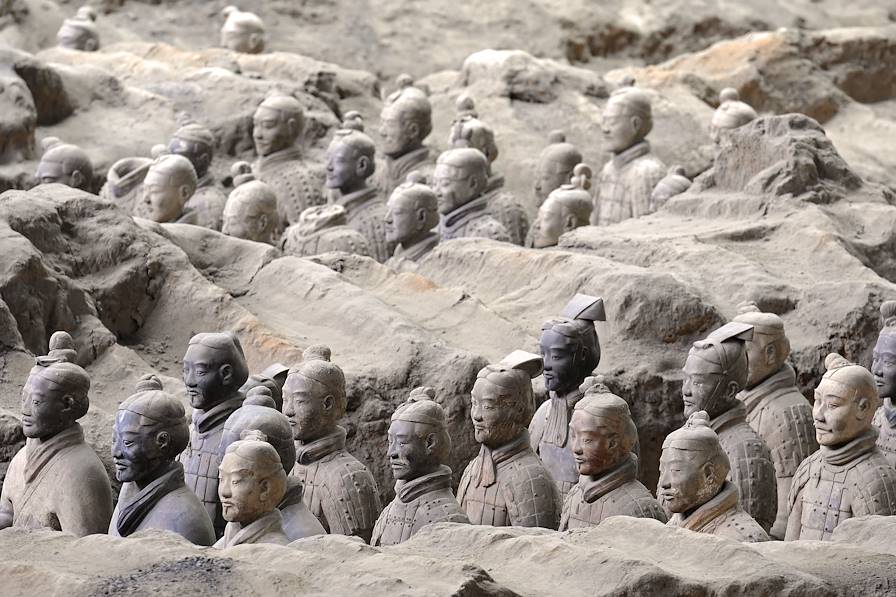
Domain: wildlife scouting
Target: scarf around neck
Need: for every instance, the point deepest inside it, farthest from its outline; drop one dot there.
(132, 514)
(41, 453)
(408, 491)
(237, 534)
(725, 500)
(485, 467)
(207, 420)
(310, 452)
(597, 487)
(848, 452)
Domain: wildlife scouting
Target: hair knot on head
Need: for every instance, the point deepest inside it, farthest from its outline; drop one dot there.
(698, 420)
(888, 314)
(555, 137)
(242, 173)
(148, 383)
(260, 396)
(729, 94)
(353, 121)
(253, 434)
(317, 352)
(834, 361)
(421, 393)
(747, 307)
(581, 177)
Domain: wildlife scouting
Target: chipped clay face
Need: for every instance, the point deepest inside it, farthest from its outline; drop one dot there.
(410, 456)
(838, 416)
(686, 482)
(883, 365)
(137, 450)
(494, 422)
(45, 412)
(308, 406)
(595, 443)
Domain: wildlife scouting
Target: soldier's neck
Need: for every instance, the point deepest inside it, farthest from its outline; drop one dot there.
(413, 146)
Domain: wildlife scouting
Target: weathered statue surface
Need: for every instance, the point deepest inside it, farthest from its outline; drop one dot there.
(197, 143)
(321, 229)
(731, 113)
(883, 368)
(242, 31)
(167, 187)
(405, 122)
(64, 163)
(459, 181)
(674, 183)
(19, 119)
(566, 208)
(251, 211)
(80, 32)
(411, 215)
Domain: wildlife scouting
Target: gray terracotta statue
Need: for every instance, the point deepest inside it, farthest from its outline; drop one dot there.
(459, 181)
(197, 143)
(64, 163)
(412, 213)
(275, 389)
(251, 212)
(469, 131)
(56, 481)
(405, 121)
(694, 487)
(570, 349)
(258, 413)
(674, 183)
(80, 32)
(19, 118)
(150, 431)
(555, 165)
(252, 483)
(214, 369)
(419, 447)
(731, 113)
(321, 229)
(242, 31)
(883, 368)
(507, 484)
(278, 124)
(350, 163)
(776, 409)
(339, 490)
(167, 187)
(603, 438)
(567, 207)
(626, 182)
(715, 371)
(277, 372)
(124, 182)
(848, 476)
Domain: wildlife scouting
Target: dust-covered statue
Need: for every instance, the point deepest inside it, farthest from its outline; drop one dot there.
(459, 181)
(412, 213)
(731, 114)
(555, 165)
(339, 490)
(507, 484)
(251, 211)
(419, 447)
(197, 143)
(694, 487)
(80, 32)
(883, 368)
(567, 207)
(168, 185)
(321, 229)
(570, 349)
(674, 183)
(64, 163)
(848, 476)
(405, 122)
(150, 431)
(242, 31)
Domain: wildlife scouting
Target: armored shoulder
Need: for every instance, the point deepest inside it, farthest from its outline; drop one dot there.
(873, 484)
(530, 493)
(355, 501)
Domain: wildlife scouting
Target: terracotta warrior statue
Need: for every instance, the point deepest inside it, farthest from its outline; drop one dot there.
(56, 481)
(507, 484)
(848, 476)
(79, 32)
(571, 351)
(167, 187)
(883, 368)
(251, 210)
(321, 229)
(277, 372)
(64, 163)
(214, 369)
(277, 125)
(731, 113)
(242, 31)
(150, 431)
(674, 183)
(555, 165)
(693, 484)
(628, 179)
(459, 181)
(275, 390)
(258, 413)
(411, 215)
(124, 182)
(196, 143)
(252, 483)
(405, 121)
(715, 371)
(468, 131)
(603, 438)
(566, 208)
(350, 163)
(419, 447)
(776, 409)
(339, 490)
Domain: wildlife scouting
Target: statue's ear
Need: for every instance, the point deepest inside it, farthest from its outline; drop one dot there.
(709, 473)
(68, 403)
(264, 489)
(636, 123)
(412, 129)
(569, 222)
(77, 179)
(361, 166)
(263, 221)
(771, 353)
(91, 45)
(255, 41)
(731, 389)
(329, 403)
(163, 440)
(422, 216)
(431, 443)
(226, 372)
(863, 404)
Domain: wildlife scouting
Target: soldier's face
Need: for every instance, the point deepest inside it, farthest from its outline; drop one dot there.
(762, 358)
(838, 416)
(685, 482)
(75, 38)
(549, 176)
(198, 155)
(548, 225)
(453, 187)
(308, 407)
(595, 443)
(207, 380)
(342, 167)
(494, 421)
(395, 138)
(409, 456)
(401, 219)
(136, 450)
(702, 387)
(883, 365)
(270, 131)
(164, 201)
(243, 496)
(241, 221)
(242, 41)
(45, 412)
(49, 171)
(561, 373)
(620, 129)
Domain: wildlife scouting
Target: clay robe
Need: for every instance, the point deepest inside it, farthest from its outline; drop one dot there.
(722, 516)
(322, 229)
(472, 220)
(365, 211)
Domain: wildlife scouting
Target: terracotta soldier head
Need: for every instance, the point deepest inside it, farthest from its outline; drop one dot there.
(277, 123)
(314, 396)
(150, 430)
(883, 364)
(168, 185)
(258, 414)
(693, 466)
(61, 348)
(845, 402)
(418, 436)
(350, 157)
(18, 117)
(502, 399)
(565, 209)
(251, 209)
(64, 163)
(79, 32)
(242, 31)
(411, 212)
(406, 119)
(260, 380)
(569, 344)
(460, 176)
(674, 183)
(716, 370)
(277, 372)
(627, 119)
(252, 481)
(214, 368)
(468, 131)
(196, 143)
(555, 165)
(601, 432)
(54, 397)
(730, 114)
(768, 349)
